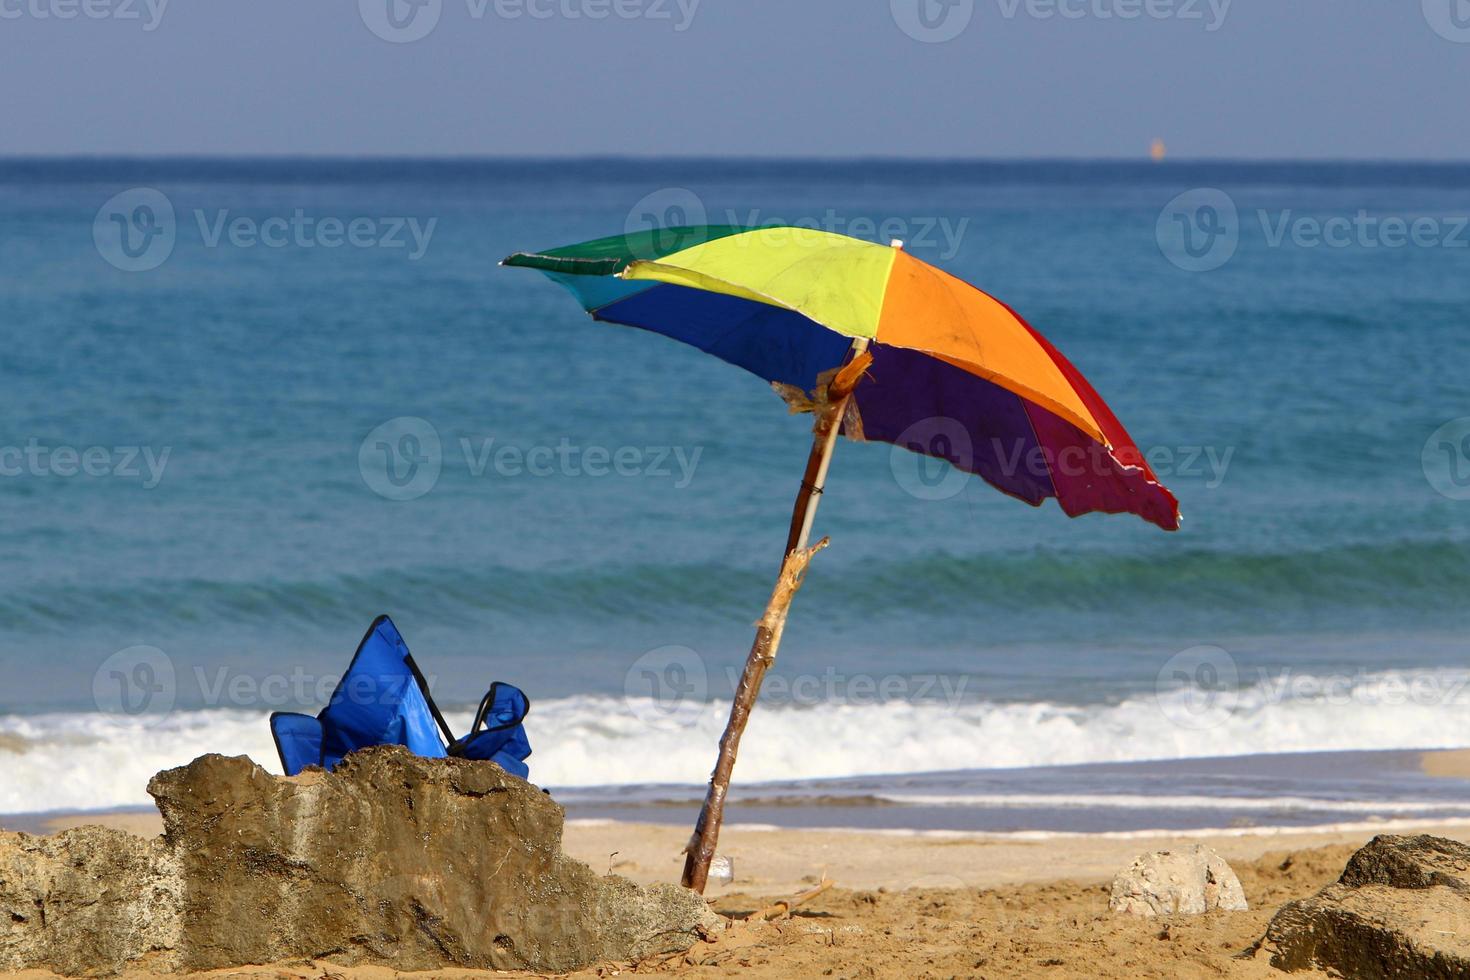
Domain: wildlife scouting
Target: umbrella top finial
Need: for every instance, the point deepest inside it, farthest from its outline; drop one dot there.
(897, 243)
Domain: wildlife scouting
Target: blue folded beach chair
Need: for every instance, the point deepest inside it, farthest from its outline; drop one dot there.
(497, 733)
(383, 699)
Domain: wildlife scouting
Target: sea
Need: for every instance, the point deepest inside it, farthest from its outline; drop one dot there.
(251, 404)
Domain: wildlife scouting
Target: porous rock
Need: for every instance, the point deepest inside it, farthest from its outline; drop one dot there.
(1181, 881)
(1400, 909)
(390, 859)
(87, 899)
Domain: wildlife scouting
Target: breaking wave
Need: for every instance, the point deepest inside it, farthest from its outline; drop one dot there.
(98, 761)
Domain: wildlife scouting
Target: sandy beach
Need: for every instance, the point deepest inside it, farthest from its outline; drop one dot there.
(933, 907)
(944, 904)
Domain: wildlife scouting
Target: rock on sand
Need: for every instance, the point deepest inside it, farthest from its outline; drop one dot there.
(390, 859)
(1183, 881)
(1400, 909)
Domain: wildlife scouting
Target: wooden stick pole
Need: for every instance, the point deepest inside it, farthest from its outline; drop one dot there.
(829, 414)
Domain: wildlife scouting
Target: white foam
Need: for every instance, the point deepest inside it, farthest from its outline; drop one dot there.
(99, 761)
(604, 741)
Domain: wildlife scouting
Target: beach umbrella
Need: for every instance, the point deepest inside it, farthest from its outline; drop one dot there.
(878, 345)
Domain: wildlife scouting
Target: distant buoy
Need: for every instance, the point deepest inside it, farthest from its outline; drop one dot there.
(1158, 151)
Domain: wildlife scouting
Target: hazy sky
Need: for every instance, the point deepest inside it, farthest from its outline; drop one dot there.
(1079, 78)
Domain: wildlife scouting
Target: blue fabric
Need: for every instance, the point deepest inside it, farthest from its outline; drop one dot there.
(504, 740)
(507, 749)
(384, 700)
(775, 344)
(379, 702)
(598, 291)
(298, 739)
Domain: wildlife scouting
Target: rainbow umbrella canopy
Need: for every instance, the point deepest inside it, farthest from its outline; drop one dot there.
(788, 303)
(879, 346)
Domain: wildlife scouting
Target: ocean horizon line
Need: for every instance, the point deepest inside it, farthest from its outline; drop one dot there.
(880, 158)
